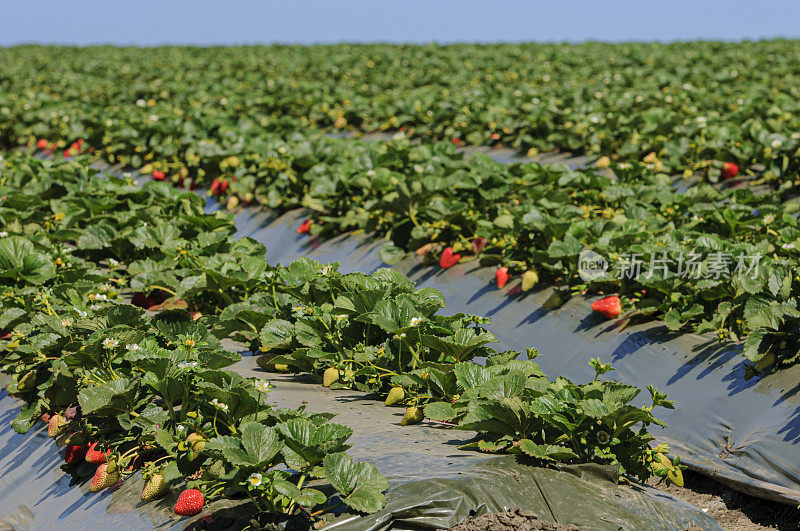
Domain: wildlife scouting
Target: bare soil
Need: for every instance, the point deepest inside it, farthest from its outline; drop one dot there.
(514, 520)
(731, 509)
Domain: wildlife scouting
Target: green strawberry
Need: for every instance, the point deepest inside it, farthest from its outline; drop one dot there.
(195, 443)
(154, 488)
(413, 415)
(529, 279)
(396, 394)
(56, 426)
(330, 376)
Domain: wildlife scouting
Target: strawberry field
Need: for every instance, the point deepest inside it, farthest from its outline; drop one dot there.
(337, 213)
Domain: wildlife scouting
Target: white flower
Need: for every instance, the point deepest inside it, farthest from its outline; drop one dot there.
(776, 143)
(624, 165)
(594, 119)
(141, 103)
(187, 365)
(255, 479)
(153, 117)
(418, 168)
(769, 218)
(113, 262)
(100, 297)
(81, 313)
(687, 86)
(400, 336)
(787, 246)
(94, 307)
(282, 150)
(110, 343)
(66, 323)
(3, 234)
(399, 136)
(415, 321)
(270, 82)
(223, 101)
(262, 386)
(326, 270)
(180, 428)
(370, 173)
(219, 405)
(795, 136)
(133, 346)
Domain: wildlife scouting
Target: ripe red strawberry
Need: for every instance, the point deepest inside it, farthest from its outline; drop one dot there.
(190, 502)
(501, 276)
(74, 453)
(608, 307)
(449, 258)
(495, 136)
(729, 170)
(56, 426)
(95, 456)
(478, 245)
(304, 227)
(103, 478)
(41, 144)
(159, 175)
(219, 186)
(457, 141)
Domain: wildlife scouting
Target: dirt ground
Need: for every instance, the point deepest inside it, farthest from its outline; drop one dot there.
(513, 520)
(734, 510)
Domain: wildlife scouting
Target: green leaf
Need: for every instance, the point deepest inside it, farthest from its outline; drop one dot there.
(359, 484)
(546, 452)
(390, 254)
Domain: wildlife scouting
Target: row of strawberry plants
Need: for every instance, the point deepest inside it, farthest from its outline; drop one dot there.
(528, 221)
(369, 332)
(690, 103)
(532, 222)
(127, 391)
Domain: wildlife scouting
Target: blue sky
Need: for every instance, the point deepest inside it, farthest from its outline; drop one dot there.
(148, 22)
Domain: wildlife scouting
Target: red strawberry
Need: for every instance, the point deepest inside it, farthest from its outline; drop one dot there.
(46, 418)
(501, 276)
(190, 502)
(495, 136)
(67, 153)
(103, 478)
(96, 456)
(79, 143)
(478, 244)
(608, 307)
(41, 144)
(159, 175)
(74, 453)
(304, 227)
(448, 258)
(75, 147)
(216, 186)
(457, 141)
(729, 170)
